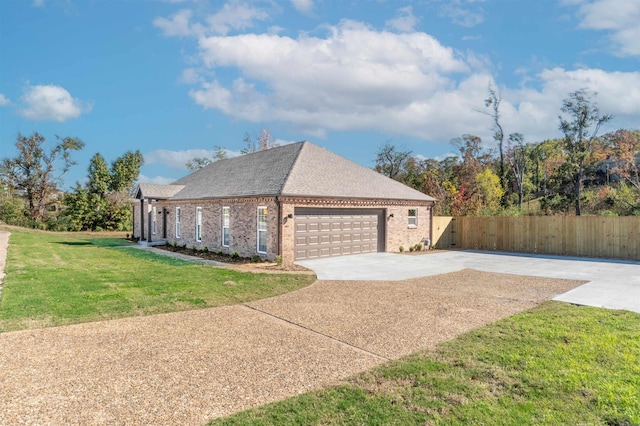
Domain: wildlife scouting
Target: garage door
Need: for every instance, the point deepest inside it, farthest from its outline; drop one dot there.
(337, 232)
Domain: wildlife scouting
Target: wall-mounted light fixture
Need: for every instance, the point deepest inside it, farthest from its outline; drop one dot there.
(290, 215)
(391, 215)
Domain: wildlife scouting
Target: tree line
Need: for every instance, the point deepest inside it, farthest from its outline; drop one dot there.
(581, 172)
(30, 194)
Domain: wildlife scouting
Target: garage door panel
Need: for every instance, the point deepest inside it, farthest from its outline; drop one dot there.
(337, 232)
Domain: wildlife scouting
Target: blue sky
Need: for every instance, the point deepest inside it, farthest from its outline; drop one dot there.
(175, 78)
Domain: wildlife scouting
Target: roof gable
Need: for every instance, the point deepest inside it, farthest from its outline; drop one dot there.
(158, 192)
(318, 172)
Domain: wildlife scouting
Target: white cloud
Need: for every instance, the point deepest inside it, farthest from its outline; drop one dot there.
(534, 112)
(177, 160)
(358, 78)
(303, 6)
(178, 25)
(38, 3)
(462, 13)
(235, 15)
(4, 100)
(50, 102)
(354, 78)
(619, 17)
(158, 180)
(404, 22)
(190, 76)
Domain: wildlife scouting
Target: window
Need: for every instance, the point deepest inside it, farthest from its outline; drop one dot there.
(226, 215)
(198, 223)
(413, 217)
(262, 229)
(177, 222)
(154, 222)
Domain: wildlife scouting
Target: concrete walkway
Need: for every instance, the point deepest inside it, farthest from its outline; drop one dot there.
(611, 284)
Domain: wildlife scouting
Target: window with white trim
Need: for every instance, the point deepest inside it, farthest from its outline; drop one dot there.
(413, 218)
(226, 219)
(262, 229)
(198, 223)
(154, 221)
(177, 222)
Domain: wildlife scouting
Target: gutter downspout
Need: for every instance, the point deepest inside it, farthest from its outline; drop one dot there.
(279, 228)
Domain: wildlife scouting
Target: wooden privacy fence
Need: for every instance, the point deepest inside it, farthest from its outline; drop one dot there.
(584, 236)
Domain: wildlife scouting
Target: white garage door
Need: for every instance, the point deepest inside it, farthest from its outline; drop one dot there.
(337, 232)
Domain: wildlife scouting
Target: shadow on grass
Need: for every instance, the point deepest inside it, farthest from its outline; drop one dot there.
(74, 243)
(146, 255)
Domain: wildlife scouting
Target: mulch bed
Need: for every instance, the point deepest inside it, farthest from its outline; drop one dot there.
(226, 258)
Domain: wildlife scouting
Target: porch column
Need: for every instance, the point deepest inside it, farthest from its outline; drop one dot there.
(142, 219)
(150, 224)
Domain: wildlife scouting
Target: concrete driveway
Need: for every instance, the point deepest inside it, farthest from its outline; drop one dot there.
(612, 284)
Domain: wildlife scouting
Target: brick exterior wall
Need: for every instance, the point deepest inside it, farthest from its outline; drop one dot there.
(280, 228)
(397, 231)
(243, 225)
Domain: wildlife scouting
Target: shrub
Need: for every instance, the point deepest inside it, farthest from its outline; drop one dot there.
(412, 248)
(175, 243)
(255, 258)
(206, 249)
(418, 247)
(279, 259)
(401, 249)
(220, 252)
(235, 255)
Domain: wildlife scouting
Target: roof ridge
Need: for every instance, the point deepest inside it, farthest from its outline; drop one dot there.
(293, 165)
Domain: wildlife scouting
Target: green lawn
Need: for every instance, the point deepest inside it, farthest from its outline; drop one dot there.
(556, 364)
(61, 278)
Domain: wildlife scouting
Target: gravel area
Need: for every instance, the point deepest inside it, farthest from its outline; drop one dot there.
(392, 319)
(185, 368)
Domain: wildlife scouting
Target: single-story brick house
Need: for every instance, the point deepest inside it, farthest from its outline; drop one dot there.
(298, 201)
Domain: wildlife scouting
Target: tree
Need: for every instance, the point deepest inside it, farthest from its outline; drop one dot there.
(99, 175)
(390, 161)
(517, 156)
(37, 172)
(579, 135)
(104, 203)
(259, 143)
(490, 190)
(220, 153)
(125, 171)
(493, 102)
(625, 146)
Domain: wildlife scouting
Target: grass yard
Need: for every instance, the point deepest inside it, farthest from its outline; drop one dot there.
(62, 278)
(556, 364)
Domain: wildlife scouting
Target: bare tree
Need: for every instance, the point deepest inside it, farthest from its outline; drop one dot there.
(516, 155)
(258, 143)
(493, 103)
(390, 161)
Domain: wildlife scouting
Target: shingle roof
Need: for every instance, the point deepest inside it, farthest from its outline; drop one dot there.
(159, 192)
(299, 169)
